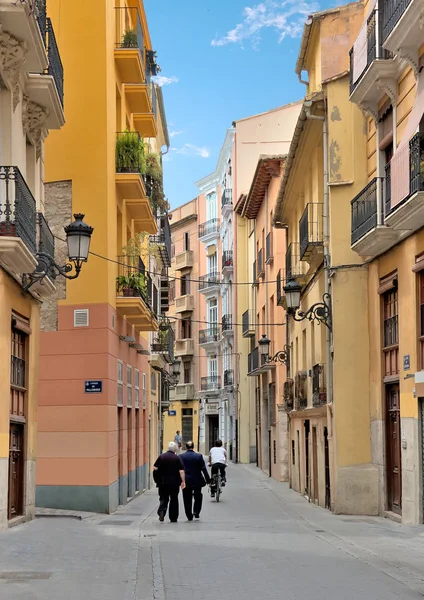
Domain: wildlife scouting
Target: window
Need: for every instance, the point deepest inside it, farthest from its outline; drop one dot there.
(186, 241)
(129, 385)
(129, 375)
(172, 250)
(144, 390)
(212, 263)
(137, 388)
(152, 383)
(211, 207)
(213, 368)
(18, 373)
(421, 317)
(212, 312)
(186, 328)
(391, 332)
(120, 383)
(172, 290)
(187, 372)
(185, 285)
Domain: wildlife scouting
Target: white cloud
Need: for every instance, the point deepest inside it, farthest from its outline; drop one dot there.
(287, 17)
(192, 150)
(172, 134)
(161, 80)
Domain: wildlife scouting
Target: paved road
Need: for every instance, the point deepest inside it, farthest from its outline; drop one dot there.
(261, 541)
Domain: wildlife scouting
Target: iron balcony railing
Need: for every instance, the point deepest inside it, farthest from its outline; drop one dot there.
(388, 190)
(294, 266)
(132, 280)
(255, 273)
(319, 393)
(260, 263)
(209, 228)
(311, 227)
(364, 211)
(227, 197)
(248, 323)
(153, 99)
(40, 6)
(269, 248)
(163, 343)
(128, 29)
(210, 335)
(392, 13)
(281, 282)
(129, 152)
(416, 164)
(228, 377)
(18, 212)
(227, 323)
(375, 50)
(210, 384)
(55, 68)
(227, 259)
(253, 360)
(163, 240)
(209, 280)
(45, 243)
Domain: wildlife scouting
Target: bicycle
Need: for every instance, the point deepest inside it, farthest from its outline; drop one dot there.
(216, 484)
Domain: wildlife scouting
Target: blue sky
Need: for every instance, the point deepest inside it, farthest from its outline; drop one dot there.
(221, 60)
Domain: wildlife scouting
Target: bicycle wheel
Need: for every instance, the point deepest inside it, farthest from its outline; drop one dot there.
(218, 487)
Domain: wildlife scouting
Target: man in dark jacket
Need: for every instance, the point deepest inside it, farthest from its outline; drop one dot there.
(168, 474)
(197, 476)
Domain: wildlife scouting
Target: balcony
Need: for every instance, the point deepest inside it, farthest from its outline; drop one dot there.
(311, 234)
(46, 245)
(228, 378)
(407, 170)
(209, 231)
(260, 265)
(184, 347)
(209, 338)
(269, 256)
(370, 63)
(319, 392)
(46, 89)
(256, 364)
(281, 295)
(368, 238)
(295, 268)
(130, 187)
(184, 260)
(255, 276)
(227, 325)
(209, 284)
(210, 384)
(227, 200)
(227, 262)
(163, 344)
(18, 238)
(184, 304)
(129, 45)
(248, 320)
(162, 241)
(402, 25)
(135, 297)
(145, 122)
(183, 392)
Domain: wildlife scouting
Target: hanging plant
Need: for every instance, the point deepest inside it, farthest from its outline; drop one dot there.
(130, 153)
(154, 179)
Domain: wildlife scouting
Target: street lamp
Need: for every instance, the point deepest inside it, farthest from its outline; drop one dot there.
(78, 237)
(282, 356)
(320, 311)
(176, 370)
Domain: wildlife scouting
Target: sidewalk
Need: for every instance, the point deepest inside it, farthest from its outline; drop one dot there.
(395, 549)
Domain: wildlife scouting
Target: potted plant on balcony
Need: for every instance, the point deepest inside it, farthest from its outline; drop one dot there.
(133, 284)
(129, 39)
(154, 180)
(130, 153)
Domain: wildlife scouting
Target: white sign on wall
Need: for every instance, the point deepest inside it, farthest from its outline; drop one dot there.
(212, 408)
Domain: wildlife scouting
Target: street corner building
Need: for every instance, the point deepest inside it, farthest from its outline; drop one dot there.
(31, 98)
(98, 422)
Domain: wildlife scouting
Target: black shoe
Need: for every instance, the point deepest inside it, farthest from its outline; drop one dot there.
(161, 517)
(197, 516)
(174, 521)
(189, 518)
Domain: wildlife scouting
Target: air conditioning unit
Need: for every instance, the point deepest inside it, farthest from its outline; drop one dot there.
(288, 393)
(300, 390)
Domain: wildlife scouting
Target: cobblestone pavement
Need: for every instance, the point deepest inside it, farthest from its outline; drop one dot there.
(262, 541)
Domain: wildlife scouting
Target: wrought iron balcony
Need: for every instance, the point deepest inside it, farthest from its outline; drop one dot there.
(269, 248)
(319, 392)
(17, 208)
(128, 29)
(227, 323)
(42, 18)
(392, 13)
(132, 280)
(55, 68)
(211, 280)
(210, 384)
(295, 268)
(209, 336)
(228, 377)
(227, 198)
(248, 321)
(364, 211)
(281, 282)
(163, 240)
(311, 230)
(129, 152)
(45, 243)
(227, 259)
(260, 263)
(402, 24)
(253, 361)
(163, 343)
(210, 228)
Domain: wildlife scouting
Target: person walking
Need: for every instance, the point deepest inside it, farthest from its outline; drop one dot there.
(178, 439)
(197, 477)
(169, 476)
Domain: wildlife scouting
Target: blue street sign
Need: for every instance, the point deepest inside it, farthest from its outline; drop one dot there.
(172, 413)
(406, 362)
(93, 387)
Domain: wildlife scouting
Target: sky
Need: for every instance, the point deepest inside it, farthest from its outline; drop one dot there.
(221, 60)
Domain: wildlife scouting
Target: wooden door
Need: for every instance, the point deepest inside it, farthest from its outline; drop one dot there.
(327, 470)
(16, 471)
(315, 464)
(393, 449)
(307, 429)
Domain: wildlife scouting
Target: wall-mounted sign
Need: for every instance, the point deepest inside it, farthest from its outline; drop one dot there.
(93, 387)
(172, 413)
(212, 408)
(406, 362)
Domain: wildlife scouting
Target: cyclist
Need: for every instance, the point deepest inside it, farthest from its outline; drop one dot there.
(218, 462)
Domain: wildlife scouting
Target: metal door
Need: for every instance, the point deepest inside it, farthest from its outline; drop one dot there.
(393, 449)
(16, 471)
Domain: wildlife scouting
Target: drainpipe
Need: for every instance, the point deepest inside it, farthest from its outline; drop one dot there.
(326, 231)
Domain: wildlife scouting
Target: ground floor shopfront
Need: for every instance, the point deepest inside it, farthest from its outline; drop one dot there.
(94, 413)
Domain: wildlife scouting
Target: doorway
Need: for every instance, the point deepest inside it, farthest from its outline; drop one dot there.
(129, 450)
(307, 429)
(315, 465)
(121, 491)
(327, 470)
(393, 450)
(213, 430)
(187, 425)
(16, 471)
(137, 450)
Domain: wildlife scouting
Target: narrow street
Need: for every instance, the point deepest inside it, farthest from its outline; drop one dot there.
(261, 541)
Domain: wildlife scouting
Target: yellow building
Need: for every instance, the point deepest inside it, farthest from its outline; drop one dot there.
(327, 393)
(31, 105)
(94, 448)
(387, 82)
